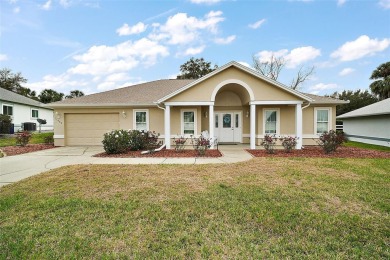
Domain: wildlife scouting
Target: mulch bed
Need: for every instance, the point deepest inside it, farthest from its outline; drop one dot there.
(315, 151)
(15, 150)
(171, 153)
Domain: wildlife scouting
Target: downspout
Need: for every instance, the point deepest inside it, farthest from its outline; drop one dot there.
(306, 106)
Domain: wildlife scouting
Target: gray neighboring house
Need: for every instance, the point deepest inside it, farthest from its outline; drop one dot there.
(369, 124)
(24, 110)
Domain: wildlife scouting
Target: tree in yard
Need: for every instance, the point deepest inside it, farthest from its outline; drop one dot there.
(195, 68)
(357, 99)
(13, 82)
(50, 95)
(271, 68)
(74, 94)
(381, 85)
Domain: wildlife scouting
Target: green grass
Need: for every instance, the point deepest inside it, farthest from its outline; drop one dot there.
(37, 138)
(367, 146)
(263, 208)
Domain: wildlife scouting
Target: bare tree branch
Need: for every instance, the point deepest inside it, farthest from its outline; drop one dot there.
(302, 75)
(271, 68)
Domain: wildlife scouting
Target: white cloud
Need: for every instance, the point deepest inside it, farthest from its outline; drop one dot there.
(359, 48)
(57, 83)
(183, 29)
(118, 77)
(3, 57)
(341, 2)
(257, 24)
(102, 60)
(65, 3)
(16, 10)
(194, 51)
(322, 86)
(346, 71)
(129, 30)
(384, 3)
(205, 1)
(226, 40)
(46, 6)
(293, 58)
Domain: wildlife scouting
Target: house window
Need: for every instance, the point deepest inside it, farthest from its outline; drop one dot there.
(34, 113)
(322, 120)
(216, 120)
(8, 110)
(271, 121)
(141, 120)
(188, 122)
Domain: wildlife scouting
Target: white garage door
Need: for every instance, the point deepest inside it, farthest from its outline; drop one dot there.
(88, 129)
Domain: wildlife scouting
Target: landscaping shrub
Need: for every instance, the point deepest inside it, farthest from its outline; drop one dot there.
(269, 142)
(116, 141)
(179, 143)
(200, 144)
(150, 140)
(136, 140)
(330, 141)
(5, 124)
(48, 139)
(23, 138)
(289, 143)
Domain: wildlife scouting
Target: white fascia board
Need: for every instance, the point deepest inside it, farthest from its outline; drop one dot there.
(102, 105)
(276, 102)
(190, 103)
(363, 115)
(242, 67)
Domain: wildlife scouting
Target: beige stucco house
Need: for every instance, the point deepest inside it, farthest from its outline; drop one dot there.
(233, 103)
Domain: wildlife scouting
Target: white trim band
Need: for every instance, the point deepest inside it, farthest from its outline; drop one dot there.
(276, 102)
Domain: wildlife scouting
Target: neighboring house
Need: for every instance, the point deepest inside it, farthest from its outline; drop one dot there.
(369, 124)
(239, 104)
(24, 110)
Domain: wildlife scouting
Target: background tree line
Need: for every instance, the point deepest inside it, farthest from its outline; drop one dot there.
(13, 82)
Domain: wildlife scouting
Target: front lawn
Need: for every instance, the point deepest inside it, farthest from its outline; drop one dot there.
(36, 138)
(264, 208)
(366, 146)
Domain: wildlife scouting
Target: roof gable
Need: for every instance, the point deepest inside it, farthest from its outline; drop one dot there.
(242, 68)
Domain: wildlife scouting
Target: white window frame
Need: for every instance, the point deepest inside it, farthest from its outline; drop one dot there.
(182, 121)
(31, 111)
(8, 105)
(329, 118)
(277, 120)
(135, 118)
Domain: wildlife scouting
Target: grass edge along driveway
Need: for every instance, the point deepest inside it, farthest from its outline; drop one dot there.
(263, 208)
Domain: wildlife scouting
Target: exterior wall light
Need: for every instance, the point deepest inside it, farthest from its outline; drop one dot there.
(124, 114)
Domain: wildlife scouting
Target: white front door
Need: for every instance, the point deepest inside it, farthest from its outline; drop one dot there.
(228, 127)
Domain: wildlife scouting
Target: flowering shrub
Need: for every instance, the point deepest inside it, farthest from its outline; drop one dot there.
(179, 143)
(116, 141)
(150, 140)
(330, 141)
(269, 142)
(200, 144)
(136, 140)
(289, 143)
(23, 138)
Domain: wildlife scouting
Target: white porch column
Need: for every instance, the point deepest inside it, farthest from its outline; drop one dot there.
(211, 124)
(253, 127)
(298, 125)
(167, 126)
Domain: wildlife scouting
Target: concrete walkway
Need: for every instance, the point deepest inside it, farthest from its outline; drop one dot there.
(18, 167)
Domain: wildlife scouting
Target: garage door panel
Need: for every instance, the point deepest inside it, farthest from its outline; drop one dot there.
(88, 129)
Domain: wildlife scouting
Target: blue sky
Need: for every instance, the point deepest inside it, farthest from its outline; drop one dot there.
(98, 45)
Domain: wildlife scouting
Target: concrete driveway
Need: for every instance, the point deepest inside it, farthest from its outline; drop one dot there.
(18, 167)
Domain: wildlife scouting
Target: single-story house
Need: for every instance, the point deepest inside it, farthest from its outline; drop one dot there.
(234, 103)
(25, 110)
(369, 124)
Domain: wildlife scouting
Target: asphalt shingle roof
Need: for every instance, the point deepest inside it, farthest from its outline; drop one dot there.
(148, 93)
(10, 96)
(379, 108)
